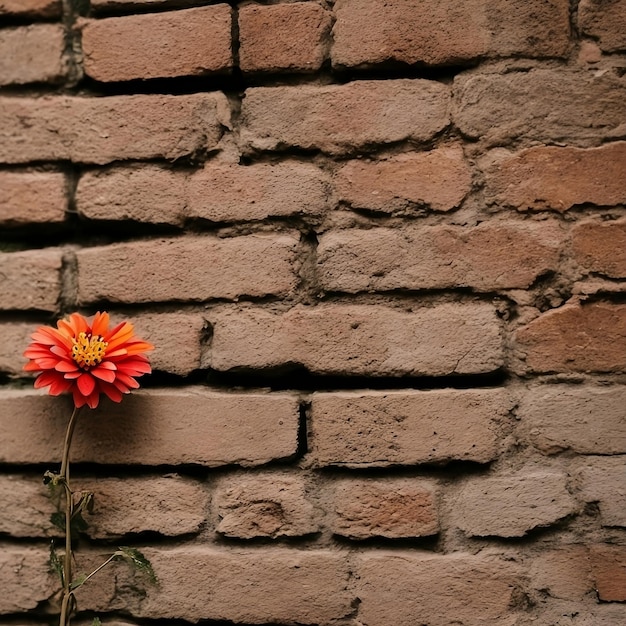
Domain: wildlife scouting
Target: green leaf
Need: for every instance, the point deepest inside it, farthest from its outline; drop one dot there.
(78, 581)
(139, 561)
(96, 622)
(55, 563)
(58, 519)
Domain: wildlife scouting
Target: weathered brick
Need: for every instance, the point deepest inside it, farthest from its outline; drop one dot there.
(584, 419)
(32, 54)
(603, 480)
(252, 586)
(510, 506)
(608, 564)
(283, 37)
(575, 338)
(30, 280)
(486, 257)
(145, 193)
(498, 108)
(341, 118)
(223, 193)
(25, 578)
(101, 130)
(109, 6)
(379, 428)
(14, 337)
(392, 508)
(604, 20)
(360, 339)
(558, 178)
(438, 590)
(266, 505)
(191, 42)
(188, 269)
(434, 33)
(564, 572)
(31, 8)
(600, 246)
(32, 197)
(227, 428)
(438, 180)
(167, 505)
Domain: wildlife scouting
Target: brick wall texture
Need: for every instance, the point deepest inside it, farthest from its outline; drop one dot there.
(381, 250)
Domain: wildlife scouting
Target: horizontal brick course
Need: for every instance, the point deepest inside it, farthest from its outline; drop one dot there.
(487, 257)
(600, 246)
(342, 118)
(602, 480)
(101, 130)
(379, 428)
(188, 269)
(360, 339)
(191, 42)
(32, 197)
(228, 428)
(31, 8)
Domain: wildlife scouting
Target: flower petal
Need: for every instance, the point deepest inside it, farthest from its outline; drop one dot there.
(103, 374)
(86, 384)
(100, 324)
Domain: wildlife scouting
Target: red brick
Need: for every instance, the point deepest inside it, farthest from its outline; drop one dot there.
(167, 505)
(608, 565)
(247, 586)
(603, 480)
(382, 428)
(191, 42)
(604, 20)
(485, 258)
(498, 108)
(266, 505)
(32, 54)
(283, 37)
(340, 118)
(14, 337)
(188, 269)
(31, 280)
(100, 130)
(161, 427)
(558, 178)
(601, 247)
(32, 197)
(404, 589)
(142, 193)
(575, 338)
(512, 505)
(360, 339)
(585, 419)
(564, 572)
(438, 180)
(25, 578)
(31, 8)
(392, 508)
(410, 31)
(223, 193)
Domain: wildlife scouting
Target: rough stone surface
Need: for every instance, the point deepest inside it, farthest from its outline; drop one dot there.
(585, 419)
(608, 564)
(575, 338)
(191, 42)
(557, 178)
(392, 508)
(14, 337)
(228, 428)
(32, 197)
(360, 340)
(30, 280)
(510, 506)
(25, 578)
(283, 37)
(32, 54)
(438, 590)
(563, 573)
(499, 108)
(604, 20)
(379, 428)
(341, 118)
(191, 268)
(267, 505)
(600, 246)
(603, 480)
(486, 258)
(101, 130)
(31, 8)
(437, 180)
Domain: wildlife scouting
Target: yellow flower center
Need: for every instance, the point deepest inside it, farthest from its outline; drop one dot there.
(88, 351)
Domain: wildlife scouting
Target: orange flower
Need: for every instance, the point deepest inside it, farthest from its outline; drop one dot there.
(85, 357)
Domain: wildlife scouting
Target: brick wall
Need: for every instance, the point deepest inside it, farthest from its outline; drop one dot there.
(381, 249)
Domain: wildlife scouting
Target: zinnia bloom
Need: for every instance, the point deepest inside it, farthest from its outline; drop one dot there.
(87, 358)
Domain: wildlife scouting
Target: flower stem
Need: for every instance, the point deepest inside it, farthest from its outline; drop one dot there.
(67, 559)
